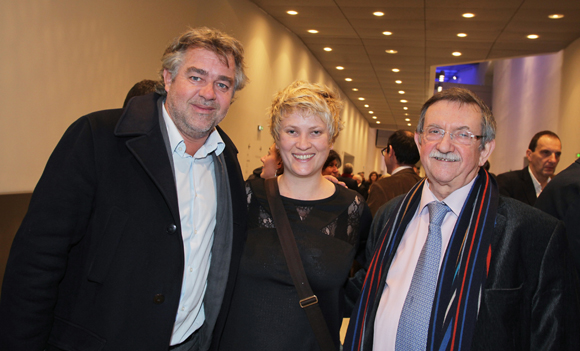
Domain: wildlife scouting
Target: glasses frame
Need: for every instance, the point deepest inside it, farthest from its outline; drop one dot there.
(386, 148)
(472, 136)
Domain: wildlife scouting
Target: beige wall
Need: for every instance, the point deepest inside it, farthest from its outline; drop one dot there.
(535, 93)
(569, 121)
(63, 59)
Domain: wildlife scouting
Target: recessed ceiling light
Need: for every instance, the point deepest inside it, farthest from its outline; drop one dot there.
(292, 12)
(391, 51)
(409, 124)
(367, 106)
(378, 122)
(461, 35)
(406, 114)
(556, 16)
(399, 81)
(405, 108)
(374, 117)
(403, 101)
(348, 79)
(533, 36)
(313, 31)
(407, 119)
(439, 88)
(361, 98)
(371, 112)
(340, 68)
(468, 15)
(387, 33)
(327, 49)
(396, 70)
(378, 13)
(456, 53)
(401, 92)
(354, 89)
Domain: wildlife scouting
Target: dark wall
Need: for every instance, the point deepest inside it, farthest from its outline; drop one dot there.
(12, 210)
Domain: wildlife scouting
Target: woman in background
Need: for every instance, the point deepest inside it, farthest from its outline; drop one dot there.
(326, 219)
(272, 163)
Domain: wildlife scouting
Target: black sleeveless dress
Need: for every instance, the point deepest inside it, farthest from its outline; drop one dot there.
(264, 312)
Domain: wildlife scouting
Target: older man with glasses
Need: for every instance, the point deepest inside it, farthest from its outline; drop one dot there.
(455, 265)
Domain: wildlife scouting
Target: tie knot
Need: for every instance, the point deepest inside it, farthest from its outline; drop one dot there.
(437, 211)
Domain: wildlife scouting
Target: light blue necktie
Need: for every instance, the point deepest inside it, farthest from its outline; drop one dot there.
(414, 322)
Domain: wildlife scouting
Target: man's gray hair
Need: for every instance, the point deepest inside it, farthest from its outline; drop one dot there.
(210, 39)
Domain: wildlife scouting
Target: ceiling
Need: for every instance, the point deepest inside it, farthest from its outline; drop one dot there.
(424, 34)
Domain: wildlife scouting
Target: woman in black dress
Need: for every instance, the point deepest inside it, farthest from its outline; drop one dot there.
(327, 221)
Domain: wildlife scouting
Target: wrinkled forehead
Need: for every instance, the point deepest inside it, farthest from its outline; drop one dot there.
(454, 115)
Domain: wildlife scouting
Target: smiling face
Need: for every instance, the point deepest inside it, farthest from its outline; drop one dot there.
(271, 163)
(331, 169)
(544, 159)
(304, 144)
(200, 94)
(449, 165)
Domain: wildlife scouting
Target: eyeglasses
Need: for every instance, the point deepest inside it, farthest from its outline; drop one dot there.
(463, 137)
(385, 150)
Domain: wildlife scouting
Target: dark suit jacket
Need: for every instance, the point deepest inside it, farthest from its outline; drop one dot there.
(385, 189)
(561, 199)
(98, 261)
(530, 300)
(517, 185)
(350, 183)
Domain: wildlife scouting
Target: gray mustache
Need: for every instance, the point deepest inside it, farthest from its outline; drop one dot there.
(447, 156)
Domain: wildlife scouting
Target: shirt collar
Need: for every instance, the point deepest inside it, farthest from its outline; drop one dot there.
(400, 168)
(455, 200)
(537, 185)
(214, 142)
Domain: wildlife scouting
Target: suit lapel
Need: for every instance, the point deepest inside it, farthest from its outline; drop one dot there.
(529, 188)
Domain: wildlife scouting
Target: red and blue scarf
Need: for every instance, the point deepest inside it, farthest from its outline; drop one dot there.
(461, 278)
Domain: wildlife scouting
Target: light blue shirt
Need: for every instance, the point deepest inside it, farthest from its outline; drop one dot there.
(197, 198)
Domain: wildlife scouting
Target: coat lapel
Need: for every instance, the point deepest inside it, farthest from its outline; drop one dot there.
(140, 124)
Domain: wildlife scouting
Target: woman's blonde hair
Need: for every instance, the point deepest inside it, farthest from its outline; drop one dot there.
(310, 99)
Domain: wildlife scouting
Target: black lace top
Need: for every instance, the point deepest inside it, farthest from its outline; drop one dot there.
(264, 312)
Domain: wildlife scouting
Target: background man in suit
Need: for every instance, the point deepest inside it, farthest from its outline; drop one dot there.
(561, 199)
(455, 265)
(135, 230)
(543, 155)
(400, 156)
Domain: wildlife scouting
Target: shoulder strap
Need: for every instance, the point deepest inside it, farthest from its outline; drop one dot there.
(308, 301)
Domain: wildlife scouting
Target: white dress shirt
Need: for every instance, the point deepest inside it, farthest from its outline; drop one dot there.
(196, 193)
(403, 266)
(537, 185)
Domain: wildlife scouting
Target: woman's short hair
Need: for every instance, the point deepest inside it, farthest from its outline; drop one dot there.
(310, 99)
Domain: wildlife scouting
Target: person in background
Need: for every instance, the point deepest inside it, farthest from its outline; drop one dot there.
(273, 165)
(362, 186)
(373, 177)
(456, 266)
(135, 230)
(332, 164)
(144, 87)
(561, 199)
(326, 219)
(543, 155)
(400, 156)
(347, 170)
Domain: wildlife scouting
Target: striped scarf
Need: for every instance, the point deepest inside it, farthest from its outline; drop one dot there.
(461, 277)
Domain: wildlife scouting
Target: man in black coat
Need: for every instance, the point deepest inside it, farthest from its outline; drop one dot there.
(543, 155)
(135, 230)
(561, 199)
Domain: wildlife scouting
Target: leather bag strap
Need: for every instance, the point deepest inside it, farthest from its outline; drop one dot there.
(308, 301)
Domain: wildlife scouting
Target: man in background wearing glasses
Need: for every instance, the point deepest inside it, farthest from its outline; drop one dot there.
(400, 156)
(455, 265)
